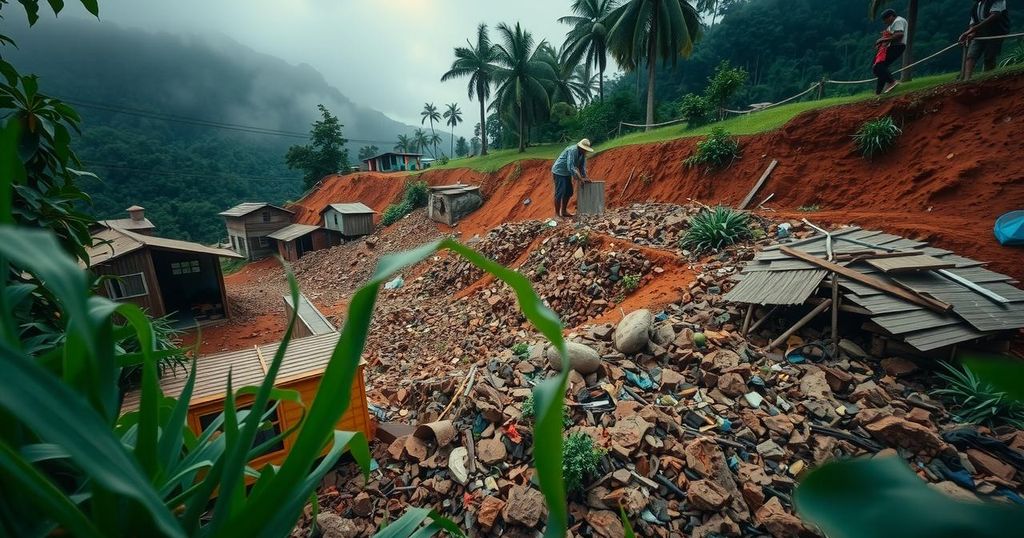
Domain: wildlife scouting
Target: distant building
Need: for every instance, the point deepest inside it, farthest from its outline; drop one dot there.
(162, 276)
(136, 221)
(394, 162)
(250, 225)
(297, 239)
(350, 220)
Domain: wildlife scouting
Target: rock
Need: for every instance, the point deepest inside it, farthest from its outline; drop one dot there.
(582, 358)
(991, 465)
(717, 526)
(899, 367)
(706, 495)
(780, 424)
(955, 491)
(704, 456)
(663, 335)
(871, 392)
(770, 450)
(488, 512)
(754, 495)
(457, 465)
(362, 505)
(334, 526)
(774, 518)
(524, 506)
(720, 360)
(732, 385)
(491, 451)
(899, 432)
(629, 432)
(633, 332)
(606, 523)
(852, 349)
(815, 385)
(753, 399)
(921, 416)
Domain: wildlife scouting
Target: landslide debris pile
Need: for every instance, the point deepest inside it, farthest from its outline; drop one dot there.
(701, 432)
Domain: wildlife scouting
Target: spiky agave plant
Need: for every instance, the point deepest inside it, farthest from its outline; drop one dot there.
(876, 136)
(975, 401)
(716, 228)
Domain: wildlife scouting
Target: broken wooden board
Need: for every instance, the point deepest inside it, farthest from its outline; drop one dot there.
(758, 185)
(908, 264)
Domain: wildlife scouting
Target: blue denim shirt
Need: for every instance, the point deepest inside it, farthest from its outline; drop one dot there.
(569, 162)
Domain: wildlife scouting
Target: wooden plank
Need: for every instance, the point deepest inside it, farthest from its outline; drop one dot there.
(757, 186)
(906, 295)
(906, 264)
(799, 325)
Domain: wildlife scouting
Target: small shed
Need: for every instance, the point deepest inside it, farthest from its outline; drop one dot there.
(301, 370)
(163, 276)
(350, 219)
(295, 240)
(451, 203)
(392, 161)
(250, 224)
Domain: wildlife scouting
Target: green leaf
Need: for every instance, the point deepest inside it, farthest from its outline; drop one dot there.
(410, 525)
(1004, 374)
(883, 497)
(92, 6)
(31, 10)
(625, 523)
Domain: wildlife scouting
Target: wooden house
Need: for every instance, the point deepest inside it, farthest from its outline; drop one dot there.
(136, 222)
(249, 226)
(350, 220)
(163, 276)
(451, 203)
(392, 161)
(301, 370)
(295, 240)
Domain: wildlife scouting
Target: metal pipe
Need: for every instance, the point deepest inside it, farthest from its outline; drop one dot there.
(989, 294)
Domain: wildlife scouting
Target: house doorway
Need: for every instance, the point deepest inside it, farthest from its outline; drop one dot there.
(189, 286)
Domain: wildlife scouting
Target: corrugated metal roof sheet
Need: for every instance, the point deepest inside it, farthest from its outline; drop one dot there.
(310, 316)
(940, 337)
(910, 264)
(351, 208)
(245, 208)
(783, 287)
(128, 224)
(292, 232)
(113, 243)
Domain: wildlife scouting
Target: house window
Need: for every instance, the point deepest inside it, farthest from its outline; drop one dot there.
(266, 216)
(263, 242)
(185, 268)
(127, 286)
(267, 431)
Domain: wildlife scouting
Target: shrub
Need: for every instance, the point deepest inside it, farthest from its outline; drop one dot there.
(978, 402)
(579, 460)
(416, 194)
(394, 212)
(695, 109)
(717, 150)
(724, 84)
(630, 282)
(443, 159)
(876, 136)
(165, 339)
(716, 228)
(1015, 56)
(520, 349)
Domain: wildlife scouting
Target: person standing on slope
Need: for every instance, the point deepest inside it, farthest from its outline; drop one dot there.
(894, 41)
(570, 166)
(988, 18)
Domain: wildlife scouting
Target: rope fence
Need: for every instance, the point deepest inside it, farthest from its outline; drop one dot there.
(820, 86)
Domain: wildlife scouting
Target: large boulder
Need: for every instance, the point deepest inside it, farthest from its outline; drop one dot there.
(634, 332)
(582, 358)
(334, 526)
(899, 432)
(525, 506)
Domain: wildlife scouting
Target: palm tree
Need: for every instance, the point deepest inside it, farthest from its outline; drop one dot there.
(453, 117)
(474, 62)
(434, 139)
(520, 76)
(419, 141)
(430, 113)
(649, 30)
(560, 87)
(404, 144)
(908, 56)
(584, 84)
(589, 34)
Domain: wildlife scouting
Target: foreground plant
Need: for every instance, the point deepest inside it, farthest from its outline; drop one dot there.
(876, 136)
(976, 401)
(716, 151)
(716, 228)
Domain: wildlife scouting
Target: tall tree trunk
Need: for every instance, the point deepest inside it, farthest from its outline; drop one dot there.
(652, 49)
(600, 84)
(522, 127)
(483, 122)
(908, 55)
(451, 148)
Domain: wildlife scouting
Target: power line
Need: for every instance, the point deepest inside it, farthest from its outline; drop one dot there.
(200, 122)
(123, 168)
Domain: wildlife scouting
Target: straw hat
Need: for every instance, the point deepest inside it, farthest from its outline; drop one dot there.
(585, 145)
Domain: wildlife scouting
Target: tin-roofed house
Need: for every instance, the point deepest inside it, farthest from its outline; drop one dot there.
(295, 240)
(349, 219)
(249, 225)
(136, 221)
(162, 276)
(392, 161)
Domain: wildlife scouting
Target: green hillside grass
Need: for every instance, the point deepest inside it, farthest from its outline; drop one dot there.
(755, 123)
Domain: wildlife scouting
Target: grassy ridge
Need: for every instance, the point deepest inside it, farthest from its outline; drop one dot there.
(749, 124)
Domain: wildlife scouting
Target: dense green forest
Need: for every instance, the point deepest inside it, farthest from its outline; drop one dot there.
(139, 95)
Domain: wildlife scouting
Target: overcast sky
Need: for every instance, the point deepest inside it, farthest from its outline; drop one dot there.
(386, 54)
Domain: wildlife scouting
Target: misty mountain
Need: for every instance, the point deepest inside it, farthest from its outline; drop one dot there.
(138, 94)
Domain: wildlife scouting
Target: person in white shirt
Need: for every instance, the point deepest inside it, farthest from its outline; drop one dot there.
(988, 18)
(894, 39)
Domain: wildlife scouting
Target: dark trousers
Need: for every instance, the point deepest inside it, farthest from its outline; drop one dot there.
(881, 69)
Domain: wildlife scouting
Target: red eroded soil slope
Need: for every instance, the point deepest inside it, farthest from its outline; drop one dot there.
(958, 165)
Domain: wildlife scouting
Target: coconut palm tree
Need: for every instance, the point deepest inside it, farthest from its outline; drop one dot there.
(584, 84)
(453, 117)
(434, 139)
(589, 34)
(420, 140)
(560, 87)
(520, 76)
(651, 30)
(404, 144)
(475, 62)
(430, 113)
(875, 7)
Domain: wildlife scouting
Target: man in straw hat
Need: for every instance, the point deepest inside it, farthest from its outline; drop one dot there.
(570, 165)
